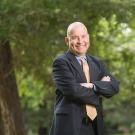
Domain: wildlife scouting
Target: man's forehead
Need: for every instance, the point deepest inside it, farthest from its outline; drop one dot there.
(75, 26)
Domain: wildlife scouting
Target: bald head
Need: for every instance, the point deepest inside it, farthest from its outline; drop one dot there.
(77, 38)
(75, 25)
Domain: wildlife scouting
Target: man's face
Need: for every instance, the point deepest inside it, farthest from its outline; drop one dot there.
(78, 40)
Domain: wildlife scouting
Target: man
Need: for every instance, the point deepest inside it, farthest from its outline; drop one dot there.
(81, 81)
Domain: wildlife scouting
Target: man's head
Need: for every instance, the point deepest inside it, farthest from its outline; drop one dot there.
(77, 38)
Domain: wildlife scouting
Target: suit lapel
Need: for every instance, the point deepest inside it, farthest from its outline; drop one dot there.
(76, 65)
(91, 67)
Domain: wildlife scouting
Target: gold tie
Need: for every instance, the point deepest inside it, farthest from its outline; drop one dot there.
(90, 109)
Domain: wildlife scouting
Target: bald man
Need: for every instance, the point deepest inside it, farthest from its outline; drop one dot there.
(77, 89)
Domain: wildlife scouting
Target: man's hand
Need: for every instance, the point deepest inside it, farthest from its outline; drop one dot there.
(87, 85)
(106, 78)
(90, 85)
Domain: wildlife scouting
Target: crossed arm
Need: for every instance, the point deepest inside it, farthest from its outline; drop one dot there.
(90, 85)
(65, 82)
(107, 86)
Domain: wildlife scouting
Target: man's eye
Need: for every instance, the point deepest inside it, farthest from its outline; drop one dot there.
(74, 37)
(83, 36)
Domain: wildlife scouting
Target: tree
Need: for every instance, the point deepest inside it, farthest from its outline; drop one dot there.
(10, 113)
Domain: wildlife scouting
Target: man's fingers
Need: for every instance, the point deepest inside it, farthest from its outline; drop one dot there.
(87, 85)
(106, 78)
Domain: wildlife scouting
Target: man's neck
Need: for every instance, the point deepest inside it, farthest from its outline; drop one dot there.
(76, 54)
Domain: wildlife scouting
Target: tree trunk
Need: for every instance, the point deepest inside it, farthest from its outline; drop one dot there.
(10, 111)
(1, 124)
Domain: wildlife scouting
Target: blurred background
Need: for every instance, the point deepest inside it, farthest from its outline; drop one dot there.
(32, 34)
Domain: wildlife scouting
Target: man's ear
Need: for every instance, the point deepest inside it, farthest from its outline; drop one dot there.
(66, 40)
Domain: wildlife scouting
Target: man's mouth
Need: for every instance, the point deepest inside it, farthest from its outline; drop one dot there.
(80, 46)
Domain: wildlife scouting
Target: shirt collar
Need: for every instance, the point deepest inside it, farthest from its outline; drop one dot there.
(78, 58)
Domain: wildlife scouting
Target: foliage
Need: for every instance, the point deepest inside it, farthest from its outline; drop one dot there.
(36, 31)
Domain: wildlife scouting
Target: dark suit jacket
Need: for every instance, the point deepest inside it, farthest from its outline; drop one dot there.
(72, 97)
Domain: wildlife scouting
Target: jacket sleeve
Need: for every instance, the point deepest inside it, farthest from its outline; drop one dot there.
(67, 85)
(105, 88)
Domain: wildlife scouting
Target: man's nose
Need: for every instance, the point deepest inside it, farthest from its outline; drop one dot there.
(79, 40)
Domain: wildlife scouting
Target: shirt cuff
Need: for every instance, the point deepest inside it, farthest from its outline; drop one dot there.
(94, 88)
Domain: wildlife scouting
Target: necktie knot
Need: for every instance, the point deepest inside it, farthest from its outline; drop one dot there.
(83, 60)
